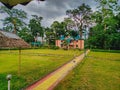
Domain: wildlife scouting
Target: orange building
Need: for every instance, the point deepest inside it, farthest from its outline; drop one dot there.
(73, 44)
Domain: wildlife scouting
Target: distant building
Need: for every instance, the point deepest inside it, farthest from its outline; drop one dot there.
(40, 39)
(70, 42)
(10, 40)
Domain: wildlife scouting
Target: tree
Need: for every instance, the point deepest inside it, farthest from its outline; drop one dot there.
(26, 35)
(81, 17)
(68, 23)
(15, 19)
(58, 29)
(35, 26)
(105, 34)
(107, 11)
(50, 36)
(63, 28)
(118, 18)
(73, 33)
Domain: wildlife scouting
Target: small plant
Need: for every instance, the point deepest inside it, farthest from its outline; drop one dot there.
(54, 47)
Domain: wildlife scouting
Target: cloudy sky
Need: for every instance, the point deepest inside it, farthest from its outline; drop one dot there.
(51, 10)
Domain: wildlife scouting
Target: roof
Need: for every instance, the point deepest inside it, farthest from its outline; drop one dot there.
(10, 40)
(9, 35)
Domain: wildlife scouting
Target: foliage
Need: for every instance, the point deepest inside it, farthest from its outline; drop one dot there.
(61, 28)
(104, 40)
(54, 47)
(15, 19)
(81, 17)
(26, 35)
(58, 29)
(118, 18)
(50, 36)
(73, 33)
(35, 26)
(105, 34)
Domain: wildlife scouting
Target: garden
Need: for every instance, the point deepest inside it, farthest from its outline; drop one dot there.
(35, 64)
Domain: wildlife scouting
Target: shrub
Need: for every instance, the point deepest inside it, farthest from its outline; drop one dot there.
(54, 47)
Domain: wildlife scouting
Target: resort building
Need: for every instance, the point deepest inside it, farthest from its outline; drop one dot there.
(70, 42)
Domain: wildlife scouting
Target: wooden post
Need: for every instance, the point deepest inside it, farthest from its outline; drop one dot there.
(19, 62)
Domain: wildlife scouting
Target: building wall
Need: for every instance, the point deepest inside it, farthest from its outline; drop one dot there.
(74, 44)
(58, 43)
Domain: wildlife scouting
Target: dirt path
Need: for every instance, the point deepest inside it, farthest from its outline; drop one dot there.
(52, 79)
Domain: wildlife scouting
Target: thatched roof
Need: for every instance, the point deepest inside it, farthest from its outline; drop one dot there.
(11, 3)
(10, 40)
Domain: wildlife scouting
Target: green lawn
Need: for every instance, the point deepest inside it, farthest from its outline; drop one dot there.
(98, 71)
(34, 65)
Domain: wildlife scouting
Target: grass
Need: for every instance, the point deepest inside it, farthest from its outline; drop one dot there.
(35, 64)
(98, 71)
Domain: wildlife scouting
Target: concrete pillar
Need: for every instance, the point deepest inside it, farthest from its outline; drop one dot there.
(81, 44)
(74, 43)
(58, 43)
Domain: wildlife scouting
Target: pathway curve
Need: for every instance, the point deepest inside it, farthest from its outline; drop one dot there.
(52, 79)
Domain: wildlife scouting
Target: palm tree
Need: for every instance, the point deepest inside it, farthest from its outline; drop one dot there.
(15, 18)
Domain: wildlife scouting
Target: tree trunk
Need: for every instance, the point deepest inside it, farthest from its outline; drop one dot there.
(15, 28)
(105, 27)
(105, 40)
(81, 32)
(42, 39)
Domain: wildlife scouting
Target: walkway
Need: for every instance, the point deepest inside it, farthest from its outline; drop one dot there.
(51, 80)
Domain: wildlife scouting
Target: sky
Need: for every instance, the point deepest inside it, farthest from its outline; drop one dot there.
(51, 10)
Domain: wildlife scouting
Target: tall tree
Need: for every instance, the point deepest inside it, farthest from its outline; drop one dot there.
(118, 18)
(35, 26)
(81, 17)
(107, 10)
(14, 20)
(105, 34)
(50, 36)
(26, 34)
(58, 29)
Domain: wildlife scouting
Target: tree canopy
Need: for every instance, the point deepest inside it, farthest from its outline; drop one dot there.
(105, 34)
(81, 17)
(15, 19)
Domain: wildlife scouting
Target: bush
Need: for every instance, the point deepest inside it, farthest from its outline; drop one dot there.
(54, 47)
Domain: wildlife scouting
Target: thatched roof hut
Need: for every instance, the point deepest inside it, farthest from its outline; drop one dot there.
(10, 40)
